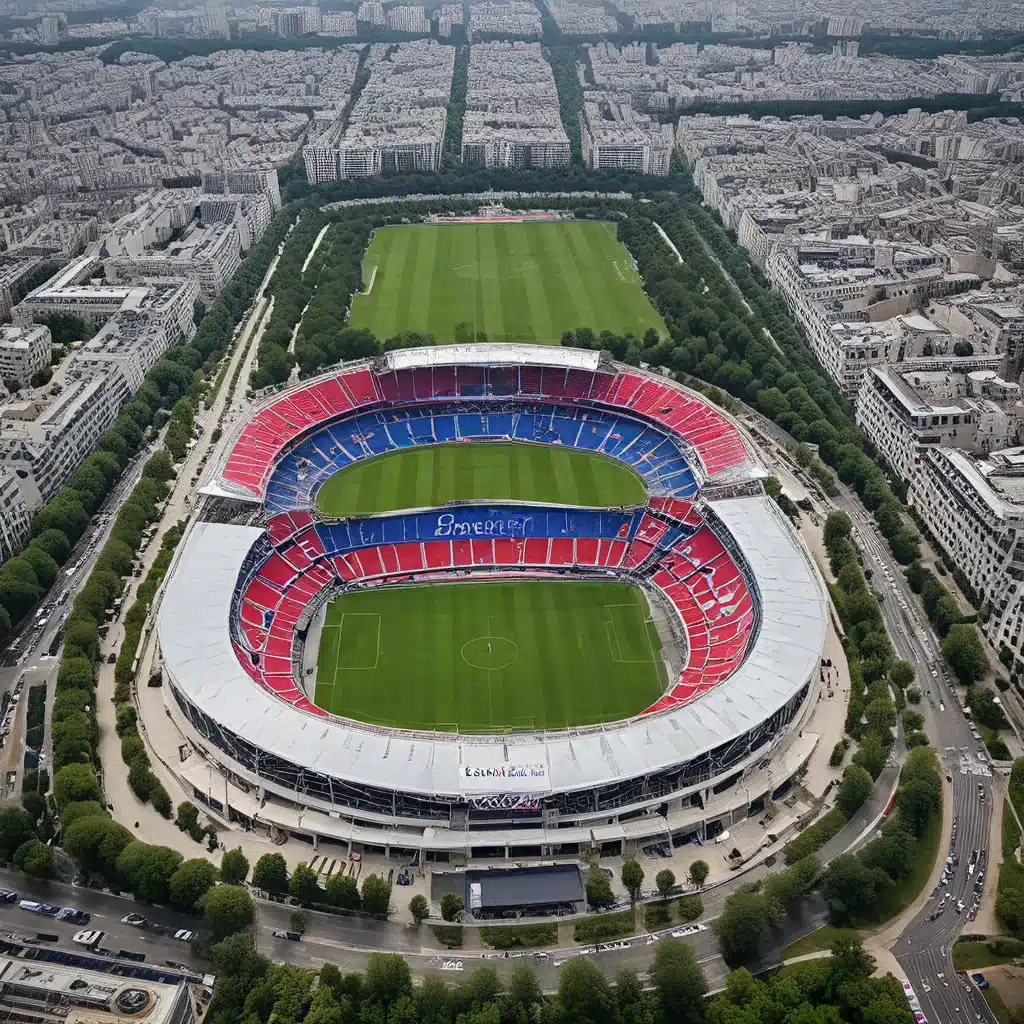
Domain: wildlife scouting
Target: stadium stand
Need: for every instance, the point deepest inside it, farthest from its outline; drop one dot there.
(668, 544)
(322, 425)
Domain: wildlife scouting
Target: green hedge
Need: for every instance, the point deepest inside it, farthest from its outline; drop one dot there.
(604, 927)
(815, 836)
(449, 935)
(520, 936)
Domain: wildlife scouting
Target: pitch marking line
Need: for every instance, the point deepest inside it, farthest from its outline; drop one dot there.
(612, 631)
(340, 627)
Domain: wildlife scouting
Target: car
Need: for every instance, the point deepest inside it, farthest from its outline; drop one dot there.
(135, 920)
(178, 966)
(87, 937)
(184, 935)
(46, 909)
(8, 896)
(73, 916)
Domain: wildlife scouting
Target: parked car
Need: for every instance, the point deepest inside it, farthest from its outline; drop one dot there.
(135, 920)
(73, 916)
(184, 935)
(291, 936)
(8, 896)
(89, 937)
(46, 909)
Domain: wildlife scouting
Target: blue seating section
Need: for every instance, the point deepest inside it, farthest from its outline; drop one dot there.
(470, 522)
(300, 474)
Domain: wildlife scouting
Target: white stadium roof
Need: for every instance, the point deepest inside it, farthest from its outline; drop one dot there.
(492, 355)
(201, 663)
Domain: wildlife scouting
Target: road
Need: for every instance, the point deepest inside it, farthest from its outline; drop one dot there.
(924, 950)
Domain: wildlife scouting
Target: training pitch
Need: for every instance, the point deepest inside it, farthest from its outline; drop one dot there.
(490, 471)
(477, 657)
(526, 282)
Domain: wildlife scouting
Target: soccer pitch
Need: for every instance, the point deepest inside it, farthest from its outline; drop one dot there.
(525, 282)
(430, 476)
(476, 657)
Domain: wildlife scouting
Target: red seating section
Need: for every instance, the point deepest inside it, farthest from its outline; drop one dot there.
(698, 575)
(294, 412)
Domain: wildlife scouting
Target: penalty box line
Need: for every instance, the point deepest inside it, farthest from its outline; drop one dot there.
(340, 627)
(613, 635)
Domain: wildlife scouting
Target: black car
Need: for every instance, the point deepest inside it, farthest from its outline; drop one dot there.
(8, 896)
(73, 916)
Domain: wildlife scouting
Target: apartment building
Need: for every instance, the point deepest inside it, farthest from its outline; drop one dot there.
(24, 351)
(398, 122)
(208, 255)
(121, 353)
(512, 116)
(975, 509)
(44, 439)
(615, 137)
(14, 521)
(907, 410)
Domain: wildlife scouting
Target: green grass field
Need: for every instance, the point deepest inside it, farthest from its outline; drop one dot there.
(524, 282)
(430, 476)
(476, 657)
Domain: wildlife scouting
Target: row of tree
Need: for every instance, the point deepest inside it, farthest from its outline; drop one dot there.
(840, 989)
(961, 643)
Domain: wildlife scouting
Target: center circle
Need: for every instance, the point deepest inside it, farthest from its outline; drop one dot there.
(490, 652)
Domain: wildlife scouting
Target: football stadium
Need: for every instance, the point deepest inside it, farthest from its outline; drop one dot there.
(490, 601)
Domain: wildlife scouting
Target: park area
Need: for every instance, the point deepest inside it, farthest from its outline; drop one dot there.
(513, 282)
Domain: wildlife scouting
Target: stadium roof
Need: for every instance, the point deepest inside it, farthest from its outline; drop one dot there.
(492, 355)
(494, 888)
(201, 663)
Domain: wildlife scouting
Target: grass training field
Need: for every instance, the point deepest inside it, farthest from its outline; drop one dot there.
(525, 282)
(517, 471)
(475, 657)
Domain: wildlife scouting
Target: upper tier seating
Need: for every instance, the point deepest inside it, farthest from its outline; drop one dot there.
(296, 412)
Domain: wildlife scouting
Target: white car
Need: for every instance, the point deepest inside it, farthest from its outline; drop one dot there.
(135, 920)
(88, 937)
(184, 935)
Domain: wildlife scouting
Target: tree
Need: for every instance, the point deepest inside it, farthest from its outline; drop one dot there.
(871, 754)
(376, 896)
(271, 874)
(35, 858)
(880, 715)
(599, 889)
(304, 885)
(914, 695)
(387, 979)
(452, 905)
(963, 651)
(298, 922)
(343, 892)
(741, 926)
(690, 907)
(665, 880)
(584, 994)
(699, 871)
(524, 991)
(146, 870)
(187, 818)
(837, 526)
(228, 909)
(854, 789)
(234, 866)
(902, 674)
(419, 908)
(851, 888)
(679, 983)
(633, 879)
(15, 828)
(75, 782)
(982, 703)
(190, 883)
(55, 544)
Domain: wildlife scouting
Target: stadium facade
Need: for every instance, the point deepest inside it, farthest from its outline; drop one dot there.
(258, 565)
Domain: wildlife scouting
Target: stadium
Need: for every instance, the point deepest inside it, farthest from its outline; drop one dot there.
(489, 601)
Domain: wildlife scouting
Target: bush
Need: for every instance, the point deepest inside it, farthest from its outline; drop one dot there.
(836, 759)
(814, 837)
(450, 935)
(690, 907)
(516, 936)
(603, 927)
